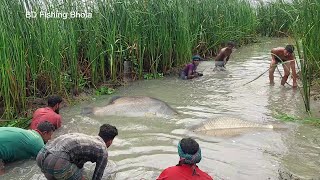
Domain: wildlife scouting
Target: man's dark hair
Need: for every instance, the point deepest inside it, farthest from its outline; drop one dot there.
(53, 100)
(46, 126)
(231, 43)
(108, 132)
(290, 48)
(189, 146)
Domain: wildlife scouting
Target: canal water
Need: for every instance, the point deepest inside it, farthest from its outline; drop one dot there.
(147, 145)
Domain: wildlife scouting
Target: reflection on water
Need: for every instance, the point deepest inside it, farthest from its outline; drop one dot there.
(145, 146)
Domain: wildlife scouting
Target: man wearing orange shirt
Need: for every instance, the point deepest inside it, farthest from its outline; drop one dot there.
(50, 113)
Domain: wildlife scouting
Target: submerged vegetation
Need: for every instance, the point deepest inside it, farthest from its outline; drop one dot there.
(40, 56)
(290, 118)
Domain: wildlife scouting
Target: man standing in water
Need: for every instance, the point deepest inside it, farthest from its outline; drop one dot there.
(223, 56)
(50, 113)
(18, 144)
(190, 154)
(285, 56)
(64, 157)
(189, 72)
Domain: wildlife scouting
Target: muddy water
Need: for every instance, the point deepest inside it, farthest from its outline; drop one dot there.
(145, 146)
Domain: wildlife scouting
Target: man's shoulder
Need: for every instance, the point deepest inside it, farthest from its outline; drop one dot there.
(40, 110)
(278, 49)
(81, 138)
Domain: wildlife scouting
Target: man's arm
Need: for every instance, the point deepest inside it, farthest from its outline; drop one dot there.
(34, 145)
(275, 53)
(227, 59)
(190, 75)
(294, 73)
(58, 121)
(102, 160)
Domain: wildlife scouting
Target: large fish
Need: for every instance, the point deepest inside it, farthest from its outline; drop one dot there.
(228, 126)
(134, 106)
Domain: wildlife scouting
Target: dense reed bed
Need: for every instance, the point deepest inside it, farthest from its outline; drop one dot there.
(40, 56)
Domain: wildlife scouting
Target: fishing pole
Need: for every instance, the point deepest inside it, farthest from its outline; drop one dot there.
(281, 63)
(267, 71)
(280, 75)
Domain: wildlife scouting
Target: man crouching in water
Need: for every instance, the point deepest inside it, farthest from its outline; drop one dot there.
(224, 54)
(64, 157)
(190, 154)
(189, 72)
(281, 55)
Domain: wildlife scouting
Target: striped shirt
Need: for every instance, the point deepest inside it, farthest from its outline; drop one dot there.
(80, 148)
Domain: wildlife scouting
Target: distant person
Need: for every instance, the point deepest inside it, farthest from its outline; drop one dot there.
(189, 72)
(18, 144)
(64, 157)
(224, 55)
(280, 55)
(50, 113)
(190, 154)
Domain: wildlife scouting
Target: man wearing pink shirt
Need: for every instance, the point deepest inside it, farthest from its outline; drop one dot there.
(50, 113)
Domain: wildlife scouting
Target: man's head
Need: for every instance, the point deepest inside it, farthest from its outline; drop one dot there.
(107, 133)
(54, 103)
(46, 130)
(196, 60)
(189, 151)
(231, 45)
(288, 50)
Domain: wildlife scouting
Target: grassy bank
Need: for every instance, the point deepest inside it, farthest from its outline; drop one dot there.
(40, 56)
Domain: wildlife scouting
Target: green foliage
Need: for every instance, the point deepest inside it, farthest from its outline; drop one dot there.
(306, 32)
(275, 18)
(285, 117)
(39, 56)
(289, 118)
(42, 56)
(21, 123)
(104, 91)
(153, 76)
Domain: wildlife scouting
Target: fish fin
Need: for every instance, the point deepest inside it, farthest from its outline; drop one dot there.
(87, 110)
(113, 98)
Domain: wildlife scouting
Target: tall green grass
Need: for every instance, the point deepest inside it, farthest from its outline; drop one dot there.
(275, 18)
(306, 31)
(39, 57)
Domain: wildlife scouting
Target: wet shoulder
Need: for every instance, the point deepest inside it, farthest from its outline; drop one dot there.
(74, 140)
(13, 133)
(184, 172)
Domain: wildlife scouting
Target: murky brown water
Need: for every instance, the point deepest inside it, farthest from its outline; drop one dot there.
(145, 146)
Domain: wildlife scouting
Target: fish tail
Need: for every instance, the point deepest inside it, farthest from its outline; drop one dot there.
(87, 110)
